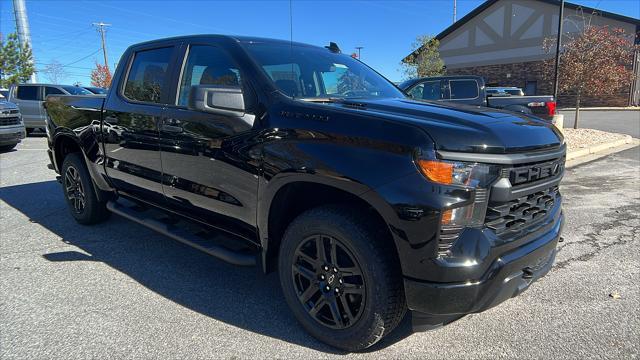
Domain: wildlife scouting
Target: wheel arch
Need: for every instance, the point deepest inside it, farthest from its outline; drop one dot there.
(286, 198)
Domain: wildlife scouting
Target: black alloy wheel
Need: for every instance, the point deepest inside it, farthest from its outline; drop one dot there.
(74, 189)
(328, 281)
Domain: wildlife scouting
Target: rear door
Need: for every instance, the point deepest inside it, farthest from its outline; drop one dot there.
(29, 100)
(130, 125)
(207, 173)
(465, 91)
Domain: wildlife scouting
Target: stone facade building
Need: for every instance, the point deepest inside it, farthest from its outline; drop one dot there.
(501, 40)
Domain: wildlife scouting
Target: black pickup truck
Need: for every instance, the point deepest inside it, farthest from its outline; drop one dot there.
(367, 203)
(471, 90)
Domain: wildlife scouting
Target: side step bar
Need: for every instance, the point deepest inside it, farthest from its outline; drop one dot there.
(176, 233)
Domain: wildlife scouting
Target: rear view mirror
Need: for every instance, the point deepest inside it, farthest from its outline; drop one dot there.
(217, 99)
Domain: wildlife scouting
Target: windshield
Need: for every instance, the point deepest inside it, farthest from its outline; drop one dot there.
(97, 90)
(309, 72)
(74, 90)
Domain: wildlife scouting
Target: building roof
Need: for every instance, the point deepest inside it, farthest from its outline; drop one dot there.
(485, 5)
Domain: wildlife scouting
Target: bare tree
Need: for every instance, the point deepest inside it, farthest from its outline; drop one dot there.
(54, 72)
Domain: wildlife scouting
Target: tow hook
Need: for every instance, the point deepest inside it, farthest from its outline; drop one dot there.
(527, 273)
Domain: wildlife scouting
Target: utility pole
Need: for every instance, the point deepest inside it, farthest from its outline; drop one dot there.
(22, 28)
(454, 10)
(101, 29)
(558, 44)
(359, 48)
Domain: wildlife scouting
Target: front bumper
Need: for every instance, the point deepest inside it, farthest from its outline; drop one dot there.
(508, 275)
(10, 135)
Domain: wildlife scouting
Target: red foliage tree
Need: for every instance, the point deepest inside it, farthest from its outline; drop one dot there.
(595, 61)
(101, 76)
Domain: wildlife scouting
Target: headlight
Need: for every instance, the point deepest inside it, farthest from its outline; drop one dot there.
(466, 174)
(473, 178)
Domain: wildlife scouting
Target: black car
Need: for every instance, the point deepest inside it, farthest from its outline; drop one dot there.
(95, 90)
(367, 203)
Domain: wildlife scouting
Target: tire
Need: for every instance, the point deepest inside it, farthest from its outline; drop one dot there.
(6, 148)
(79, 192)
(374, 299)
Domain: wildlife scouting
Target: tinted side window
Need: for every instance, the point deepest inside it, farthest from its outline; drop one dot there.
(28, 93)
(463, 89)
(48, 90)
(206, 65)
(146, 80)
(431, 90)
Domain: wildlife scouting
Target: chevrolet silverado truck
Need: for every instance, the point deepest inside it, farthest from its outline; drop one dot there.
(471, 90)
(12, 129)
(304, 161)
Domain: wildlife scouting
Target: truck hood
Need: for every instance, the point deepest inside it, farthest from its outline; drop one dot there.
(465, 128)
(5, 105)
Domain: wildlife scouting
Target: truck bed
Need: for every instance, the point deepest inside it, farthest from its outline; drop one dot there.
(74, 111)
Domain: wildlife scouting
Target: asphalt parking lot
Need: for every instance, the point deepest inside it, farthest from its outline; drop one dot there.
(118, 290)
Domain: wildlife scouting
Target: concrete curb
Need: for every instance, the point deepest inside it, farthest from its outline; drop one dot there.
(631, 108)
(591, 153)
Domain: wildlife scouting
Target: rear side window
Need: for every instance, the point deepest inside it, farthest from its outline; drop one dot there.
(146, 81)
(207, 65)
(464, 89)
(48, 90)
(28, 93)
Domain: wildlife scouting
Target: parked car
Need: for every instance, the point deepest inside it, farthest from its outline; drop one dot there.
(504, 91)
(470, 90)
(95, 90)
(11, 127)
(30, 98)
(366, 203)
(4, 94)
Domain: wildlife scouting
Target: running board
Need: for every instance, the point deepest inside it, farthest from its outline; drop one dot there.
(184, 236)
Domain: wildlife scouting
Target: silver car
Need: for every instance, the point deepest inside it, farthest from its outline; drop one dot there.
(30, 97)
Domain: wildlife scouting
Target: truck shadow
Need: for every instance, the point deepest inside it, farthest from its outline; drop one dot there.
(242, 297)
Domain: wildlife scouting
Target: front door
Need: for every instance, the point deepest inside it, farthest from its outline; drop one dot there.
(130, 124)
(207, 173)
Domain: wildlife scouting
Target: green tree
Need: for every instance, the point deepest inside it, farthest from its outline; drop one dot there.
(424, 59)
(16, 62)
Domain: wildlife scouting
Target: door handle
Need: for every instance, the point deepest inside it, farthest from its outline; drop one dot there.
(171, 125)
(111, 120)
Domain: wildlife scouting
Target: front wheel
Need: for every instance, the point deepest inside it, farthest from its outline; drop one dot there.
(340, 277)
(80, 193)
(6, 148)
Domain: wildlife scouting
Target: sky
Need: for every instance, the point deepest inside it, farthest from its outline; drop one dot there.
(62, 31)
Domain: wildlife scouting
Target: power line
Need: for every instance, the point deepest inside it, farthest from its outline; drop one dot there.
(77, 61)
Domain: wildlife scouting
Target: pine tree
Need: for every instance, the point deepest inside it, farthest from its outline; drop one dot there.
(16, 62)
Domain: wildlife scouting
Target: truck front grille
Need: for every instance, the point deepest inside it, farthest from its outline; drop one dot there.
(522, 212)
(9, 121)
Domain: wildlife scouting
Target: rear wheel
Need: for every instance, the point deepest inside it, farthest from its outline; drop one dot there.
(80, 193)
(340, 279)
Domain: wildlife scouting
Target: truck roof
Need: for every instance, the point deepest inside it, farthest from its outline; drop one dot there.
(238, 38)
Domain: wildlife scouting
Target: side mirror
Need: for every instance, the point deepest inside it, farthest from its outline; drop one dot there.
(217, 99)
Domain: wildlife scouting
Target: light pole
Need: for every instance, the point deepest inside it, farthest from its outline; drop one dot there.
(558, 44)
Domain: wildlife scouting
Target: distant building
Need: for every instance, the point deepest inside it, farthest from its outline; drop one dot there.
(501, 40)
